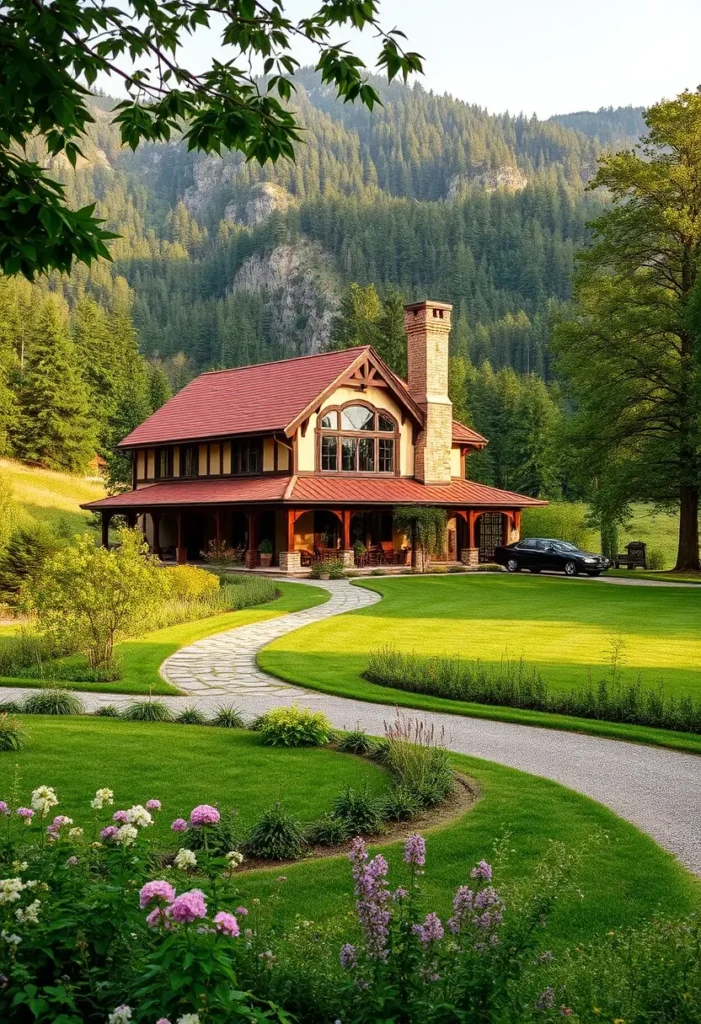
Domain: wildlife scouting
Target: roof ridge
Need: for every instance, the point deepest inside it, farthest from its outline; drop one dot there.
(288, 359)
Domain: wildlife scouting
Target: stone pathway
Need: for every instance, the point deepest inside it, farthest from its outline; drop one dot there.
(655, 789)
(224, 665)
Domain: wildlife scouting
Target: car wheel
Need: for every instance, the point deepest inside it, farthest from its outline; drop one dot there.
(513, 566)
(571, 568)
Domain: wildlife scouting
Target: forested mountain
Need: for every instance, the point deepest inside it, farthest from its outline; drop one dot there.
(222, 263)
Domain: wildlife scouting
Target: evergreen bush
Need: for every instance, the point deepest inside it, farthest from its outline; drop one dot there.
(328, 830)
(359, 810)
(277, 836)
(53, 701)
(294, 727)
(23, 558)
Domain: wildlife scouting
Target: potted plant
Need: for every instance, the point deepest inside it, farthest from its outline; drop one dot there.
(359, 551)
(265, 550)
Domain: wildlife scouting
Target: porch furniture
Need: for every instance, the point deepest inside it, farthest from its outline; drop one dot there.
(635, 556)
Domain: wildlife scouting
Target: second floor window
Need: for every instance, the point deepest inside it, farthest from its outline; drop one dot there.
(358, 438)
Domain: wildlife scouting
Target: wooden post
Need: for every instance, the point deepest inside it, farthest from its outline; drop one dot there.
(471, 520)
(156, 522)
(517, 523)
(290, 529)
(505, 527)
(131, 519)
(181, 550)
(252, 550)
(106, 517)
(347, 529)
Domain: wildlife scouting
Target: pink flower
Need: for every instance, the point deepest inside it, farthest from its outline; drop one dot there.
(226, 923)
(71, 862)
(241, 911)
(4, 809)
(205, 814)
(109, 833)
(162, 1020)
(25, 812)
(179, 825)
(189, 906)
(121, 817)
(153, 805)
(156, 890)
(483, 870)
(157, 917)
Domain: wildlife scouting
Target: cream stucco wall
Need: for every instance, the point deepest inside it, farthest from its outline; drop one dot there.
(381, 398)
(455, 462)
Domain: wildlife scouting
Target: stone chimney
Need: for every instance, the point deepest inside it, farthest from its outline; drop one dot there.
(427, 327)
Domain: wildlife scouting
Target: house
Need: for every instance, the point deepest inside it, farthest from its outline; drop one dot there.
(312, 455)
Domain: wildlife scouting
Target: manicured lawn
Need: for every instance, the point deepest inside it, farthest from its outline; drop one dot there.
(141, 658)
(623, 879)
(565, 627)
(180, 765)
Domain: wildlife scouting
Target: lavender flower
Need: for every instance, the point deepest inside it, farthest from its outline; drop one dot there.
(462, 908)
(546, 999)
(431, 930)
(348, 957)
(415, 851)
(483, 870)
(373, 898)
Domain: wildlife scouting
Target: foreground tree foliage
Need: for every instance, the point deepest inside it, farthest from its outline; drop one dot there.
(53, 52)
(631, 352)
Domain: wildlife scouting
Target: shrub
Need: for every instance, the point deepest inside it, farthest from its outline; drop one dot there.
(221, 554)
(656, 559)
(294, 727)
(10, 707)
(425, 529)
(514, 684)
(277, 836)
(401, 805)
(265, 547)
(355, 741)
(191, 716)
(9, 509)
(228, 717)
(360, 810)
(316, 569)
(418, 763)
(335, 568)
(25, 650)
(12, 735)
(189, 583)
(457, 568)
(327, 831)
(23, 558)
(378, 572)
(53, 701)
(562, 520)
(107, 711)
(147, 711)
(91, 597)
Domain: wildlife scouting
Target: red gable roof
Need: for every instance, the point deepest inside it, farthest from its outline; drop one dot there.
(251, 399)
(312, 490)
(466, 435)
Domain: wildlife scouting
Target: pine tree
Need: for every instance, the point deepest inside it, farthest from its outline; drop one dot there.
(56, 427)
(159, 389)
(391, 336)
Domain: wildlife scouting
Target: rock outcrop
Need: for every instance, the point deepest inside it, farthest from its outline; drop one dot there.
(301, 290)
(260, 201)
(507, 177)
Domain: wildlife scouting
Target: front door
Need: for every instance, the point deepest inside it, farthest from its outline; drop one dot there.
(489, 527)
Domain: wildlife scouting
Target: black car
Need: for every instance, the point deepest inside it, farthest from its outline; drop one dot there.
(538, 553)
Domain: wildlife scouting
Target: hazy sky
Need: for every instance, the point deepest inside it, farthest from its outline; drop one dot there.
(542, 56)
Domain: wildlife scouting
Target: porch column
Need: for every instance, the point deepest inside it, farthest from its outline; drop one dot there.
(290, 560)
(156, 522)
(131, 519)
(470, 555)
(251, 557)
(506, 528)
(347, 553)
(105, 520)
(181, 550)
(218, 525)
(517, 524)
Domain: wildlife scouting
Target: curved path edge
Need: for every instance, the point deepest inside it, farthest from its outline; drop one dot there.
(657, 790)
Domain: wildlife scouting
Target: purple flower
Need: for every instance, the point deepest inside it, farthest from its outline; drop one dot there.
(4, 809)
(71, 862)
(348, 957)
(546, 999)
(156, 890)
(153, 805)
(415, 851)
(431, 930)
(156, 918)
(25, 812)
(205, 814)
(483, 870)
(226, 923)
(109, 833)
(400, 894)
(373, 895)
(121, 817)
(462, 908)
(179, 825)
(242, 911)
(189, 906)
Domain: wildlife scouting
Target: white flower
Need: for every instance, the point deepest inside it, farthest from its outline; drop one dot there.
(10, 888)
(139, 816)
(234, 857)
(12, 940)
(102, 797)
(120, 1015)
(43, 799)
(126, 835)
(30, 914)
(185, 859)
(19, 865)
(189, 1018)
(75, 833)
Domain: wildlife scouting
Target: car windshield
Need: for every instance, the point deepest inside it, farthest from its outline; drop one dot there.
(563, 545)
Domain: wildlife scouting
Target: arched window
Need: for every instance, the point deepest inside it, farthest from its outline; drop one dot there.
(357, 438)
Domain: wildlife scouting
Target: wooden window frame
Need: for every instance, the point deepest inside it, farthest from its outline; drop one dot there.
(375, 434)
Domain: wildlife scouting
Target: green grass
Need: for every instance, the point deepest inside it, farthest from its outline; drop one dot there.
(563, 626)
(623, 881)
(52, 498)
(180, 765)
(664, 575)
(141, 658)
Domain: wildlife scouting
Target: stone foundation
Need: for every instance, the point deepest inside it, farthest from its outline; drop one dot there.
(348, 558)
(470, 556)
(290, 561)
(251, 559)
